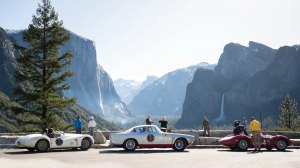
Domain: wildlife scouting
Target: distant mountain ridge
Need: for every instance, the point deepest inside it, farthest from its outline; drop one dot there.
(253, 80)
(128, 89)
(165, 95)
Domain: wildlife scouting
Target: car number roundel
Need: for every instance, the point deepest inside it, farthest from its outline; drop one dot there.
(150, 138)
(59, 142)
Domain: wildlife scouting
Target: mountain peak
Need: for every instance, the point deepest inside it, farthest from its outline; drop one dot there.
(238, 60)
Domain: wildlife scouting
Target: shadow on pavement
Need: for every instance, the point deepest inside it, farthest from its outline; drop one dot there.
(251, 151)
(26, 152)
(122, 151)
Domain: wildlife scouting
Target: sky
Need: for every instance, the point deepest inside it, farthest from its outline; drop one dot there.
(136, 38)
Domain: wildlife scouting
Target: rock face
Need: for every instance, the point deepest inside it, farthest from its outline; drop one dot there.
(128, 89)
(266, 89)
(243, 75)
(7, 62)
(114, 109)
(165, 95)
(241, 62)
(90, 84)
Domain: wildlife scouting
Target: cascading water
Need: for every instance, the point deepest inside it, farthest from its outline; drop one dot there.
(222, 116)
(222, 107)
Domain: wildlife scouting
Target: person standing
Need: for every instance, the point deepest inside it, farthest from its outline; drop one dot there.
(244, 123)
(206, 126)
(256, 131)
(91, 125)
(149, 120)
(163, 124)
(77, 125)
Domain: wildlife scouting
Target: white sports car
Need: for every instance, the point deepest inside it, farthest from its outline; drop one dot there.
(150, 136)
(43, 142)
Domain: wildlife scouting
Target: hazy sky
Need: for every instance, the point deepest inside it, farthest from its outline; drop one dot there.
(136, 38)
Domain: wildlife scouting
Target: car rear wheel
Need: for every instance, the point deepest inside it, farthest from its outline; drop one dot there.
(243, 145)
(180, 144)
(85, 144)
(130, 145)
(281, 145)
(42, 145)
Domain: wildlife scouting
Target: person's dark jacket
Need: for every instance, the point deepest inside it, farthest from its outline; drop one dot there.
(163, 124)
(149, 121)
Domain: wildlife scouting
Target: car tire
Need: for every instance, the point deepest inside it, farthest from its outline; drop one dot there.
(179, 144)
(281, 145)
(42, 145)
(130, 145)
(243, 144)
(85, 144)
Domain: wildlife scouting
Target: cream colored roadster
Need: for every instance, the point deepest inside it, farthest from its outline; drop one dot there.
(150, 136)
(51, 140)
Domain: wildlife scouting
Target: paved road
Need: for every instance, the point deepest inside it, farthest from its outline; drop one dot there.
(148, 158)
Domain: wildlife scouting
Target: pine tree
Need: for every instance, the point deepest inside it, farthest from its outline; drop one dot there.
(289, 115)
(41, 71)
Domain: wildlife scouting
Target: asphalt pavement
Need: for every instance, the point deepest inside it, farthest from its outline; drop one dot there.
(149, 158)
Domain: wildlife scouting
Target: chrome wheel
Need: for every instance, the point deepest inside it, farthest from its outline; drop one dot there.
(281, 145)
(179, 145)
(42, 145)
(243, 144)
(85, 144)
(130, 145)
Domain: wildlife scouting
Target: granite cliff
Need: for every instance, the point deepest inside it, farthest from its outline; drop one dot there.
(90, 85)
(246, 81)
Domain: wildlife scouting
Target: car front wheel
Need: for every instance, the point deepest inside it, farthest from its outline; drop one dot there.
(243, 144)
(130, 145)
(85, 144)
(281, 145)
(42, 145)
(179, 145)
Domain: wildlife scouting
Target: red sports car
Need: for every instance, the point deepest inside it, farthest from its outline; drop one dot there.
(243, 142)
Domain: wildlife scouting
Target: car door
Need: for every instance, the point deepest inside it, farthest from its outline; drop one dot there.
(149, 135)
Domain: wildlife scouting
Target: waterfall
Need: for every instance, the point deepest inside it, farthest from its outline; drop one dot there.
(222, 116)
(222, 107)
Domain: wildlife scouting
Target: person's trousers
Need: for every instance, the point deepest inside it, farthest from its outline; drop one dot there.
(256, 139)
(78, 130)
(91, 131)
(206, 130)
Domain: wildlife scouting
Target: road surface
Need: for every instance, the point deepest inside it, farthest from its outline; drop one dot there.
(149, 158)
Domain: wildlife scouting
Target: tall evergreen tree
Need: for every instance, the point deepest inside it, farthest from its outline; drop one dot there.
(41, 71)
(289, 115)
